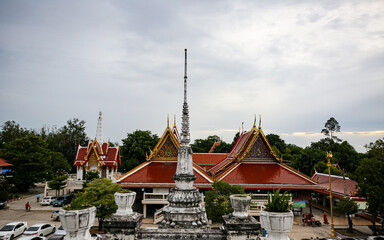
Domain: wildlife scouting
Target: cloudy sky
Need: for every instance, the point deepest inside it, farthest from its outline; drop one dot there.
(296, 63)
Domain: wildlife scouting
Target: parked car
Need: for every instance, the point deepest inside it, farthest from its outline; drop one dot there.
(63, 200)
(32, 238)
(12, 230)
(57, 237)
(48, 200)
(3, 204)
(55, 216)
(41, 229)
(60, 232)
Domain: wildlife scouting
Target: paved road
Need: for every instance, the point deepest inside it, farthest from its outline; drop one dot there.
(16, 212)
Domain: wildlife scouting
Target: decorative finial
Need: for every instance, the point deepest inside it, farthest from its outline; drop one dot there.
(168, 120)
(185, 75)
(174, 120)
(185, 139)
(99, 130)
(254, 122)
(259, 121)
(242, 127)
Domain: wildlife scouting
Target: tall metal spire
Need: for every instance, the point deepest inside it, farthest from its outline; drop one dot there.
(185, 138)
(99, 130)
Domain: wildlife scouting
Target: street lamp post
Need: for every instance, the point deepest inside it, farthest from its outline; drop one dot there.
(329, 155)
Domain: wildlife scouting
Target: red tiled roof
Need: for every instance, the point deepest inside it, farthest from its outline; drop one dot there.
(156, 173)
(265, 174)
(3, 163)
(337, 184)
(208, 158)
(106, 159)
(236, 148)
(104, 147)
(81, 153)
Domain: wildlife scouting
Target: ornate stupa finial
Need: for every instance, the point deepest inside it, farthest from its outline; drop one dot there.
(185, 118)
(259, 121)
(168, 120)
(99, 130)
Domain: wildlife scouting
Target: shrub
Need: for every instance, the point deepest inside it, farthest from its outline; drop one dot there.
(217, 201)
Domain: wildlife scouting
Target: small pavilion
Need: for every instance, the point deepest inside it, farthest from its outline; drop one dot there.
(99, 156)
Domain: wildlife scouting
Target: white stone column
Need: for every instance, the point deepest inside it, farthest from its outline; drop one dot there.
(79, 173)
(145, 210)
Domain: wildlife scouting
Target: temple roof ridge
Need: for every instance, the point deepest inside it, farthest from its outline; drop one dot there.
(242, 149)
(167, 133)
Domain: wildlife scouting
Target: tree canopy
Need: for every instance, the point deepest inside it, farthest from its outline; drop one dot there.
(275, 140)
(370, 178)
(11, 131)
(331, 127)
(58, 183)
(135, 147)
(98, 193)
(31, 161)
(67, 138)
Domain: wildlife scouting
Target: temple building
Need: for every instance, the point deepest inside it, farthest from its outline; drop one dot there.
(341, 187)
(252, 164)
(98, 155)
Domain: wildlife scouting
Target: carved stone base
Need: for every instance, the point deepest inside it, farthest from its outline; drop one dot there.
(241, 228)
(184, 210)
(193, 234)
(122, 225)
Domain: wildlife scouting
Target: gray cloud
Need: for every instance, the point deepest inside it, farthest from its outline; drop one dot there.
(296, 63)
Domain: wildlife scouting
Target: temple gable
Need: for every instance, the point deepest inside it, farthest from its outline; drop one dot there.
(259, 151)
(167, 150)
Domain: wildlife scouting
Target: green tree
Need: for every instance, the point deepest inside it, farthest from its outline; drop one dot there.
(309, 157)
(293, 154)
(99, 193)
(31, 161)
(343, 153)
(204, 145)
(217, 200)
(11, 131)
(348, 207)
(135, 147)
(91, 175)
(4, 188)
(370, 178)
(275, 140)
(322, 167)
(331, 127)
(58, 183)
(67, 138)
(60, 164)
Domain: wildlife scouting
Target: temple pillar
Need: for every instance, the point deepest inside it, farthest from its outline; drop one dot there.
(145, 210)
(79, 173)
